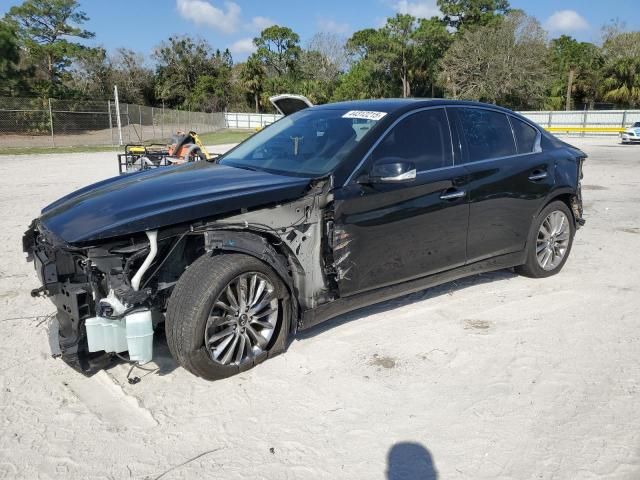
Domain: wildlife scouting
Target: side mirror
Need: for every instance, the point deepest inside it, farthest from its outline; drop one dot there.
(392, 170)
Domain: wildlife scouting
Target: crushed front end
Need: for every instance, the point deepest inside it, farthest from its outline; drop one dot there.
(91, 286)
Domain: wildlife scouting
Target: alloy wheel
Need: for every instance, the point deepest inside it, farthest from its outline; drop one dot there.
(242, 320)
(553, 240)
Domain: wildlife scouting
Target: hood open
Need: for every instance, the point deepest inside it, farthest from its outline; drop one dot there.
(287, 103)
(162, 197)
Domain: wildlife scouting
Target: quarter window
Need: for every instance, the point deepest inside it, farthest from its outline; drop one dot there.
(487, 134)
(422, 138)
(526, 135)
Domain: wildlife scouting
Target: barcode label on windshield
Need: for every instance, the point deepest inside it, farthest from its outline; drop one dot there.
(365, 115)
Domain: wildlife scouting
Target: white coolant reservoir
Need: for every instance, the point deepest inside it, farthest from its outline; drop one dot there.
(139, 336)
(106, 334)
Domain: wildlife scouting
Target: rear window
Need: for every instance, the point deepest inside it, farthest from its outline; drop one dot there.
(487, 134)
(526, 135)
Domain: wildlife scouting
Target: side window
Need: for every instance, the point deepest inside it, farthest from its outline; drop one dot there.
(422, 138)
(526, 135)
(487, 134)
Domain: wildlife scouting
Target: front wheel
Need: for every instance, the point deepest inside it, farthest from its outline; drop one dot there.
(226, 314)
(549, 242)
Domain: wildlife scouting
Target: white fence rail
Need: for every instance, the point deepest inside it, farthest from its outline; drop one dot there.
(250, 120)
(591, 122)
(587, 122)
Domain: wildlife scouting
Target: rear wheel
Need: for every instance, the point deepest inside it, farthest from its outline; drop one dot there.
(549, 242)
(226, 314)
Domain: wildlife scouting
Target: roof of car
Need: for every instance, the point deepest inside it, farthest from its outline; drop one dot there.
(390, 105)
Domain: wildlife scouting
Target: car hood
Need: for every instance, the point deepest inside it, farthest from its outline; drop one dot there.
(161, 197)
(634, 130)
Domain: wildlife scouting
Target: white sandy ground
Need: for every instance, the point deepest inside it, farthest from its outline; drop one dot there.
(495, 376)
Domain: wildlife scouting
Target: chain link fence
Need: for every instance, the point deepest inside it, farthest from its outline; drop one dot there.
(38, 122)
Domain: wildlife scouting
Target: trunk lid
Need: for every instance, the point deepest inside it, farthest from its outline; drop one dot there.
(287, 103)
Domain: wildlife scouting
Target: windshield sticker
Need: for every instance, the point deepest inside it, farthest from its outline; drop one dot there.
(365, 115)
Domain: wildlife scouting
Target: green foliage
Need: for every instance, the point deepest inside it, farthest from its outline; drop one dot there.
(480, 49)
(252, 77)
(467, 13)
(578, 62)
(189, 76)
(621, 71)
(362, 81)
(11, 77)
(399, 59)
(279, 50)
(46, 30)
(622, 81)
(211, 93)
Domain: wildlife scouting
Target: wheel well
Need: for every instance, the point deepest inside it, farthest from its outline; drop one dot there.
(564, 198)
(264, 247)
(213, 242)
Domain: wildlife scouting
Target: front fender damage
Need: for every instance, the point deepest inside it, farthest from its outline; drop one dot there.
(294, 238)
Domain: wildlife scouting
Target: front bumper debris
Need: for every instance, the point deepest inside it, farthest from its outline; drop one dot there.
(71, 279)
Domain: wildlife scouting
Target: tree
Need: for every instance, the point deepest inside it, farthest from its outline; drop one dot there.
(432, 41)
(10, 74)
(621, 53)
(92, 75)
(210, 93)
(405, 52)
(371, 70)
(400, 51)
(46, 29)
(619, 43)
(499, 63)
(467, 13)
(252, 77)
(384, 55)
(278, 48)
(134, 79)
(182, 61)
(622, 82)
(320, 67)
(333, 51)
(575, 67)
(363, 80)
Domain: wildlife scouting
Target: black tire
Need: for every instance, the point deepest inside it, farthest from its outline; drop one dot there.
(192, 300)
(531, 268)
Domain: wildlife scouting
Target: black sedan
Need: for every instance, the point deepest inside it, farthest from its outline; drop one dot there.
(329, 209)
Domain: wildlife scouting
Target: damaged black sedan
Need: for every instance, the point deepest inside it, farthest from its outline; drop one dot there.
(331, 208)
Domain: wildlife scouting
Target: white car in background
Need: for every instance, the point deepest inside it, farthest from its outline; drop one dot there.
(631, 134)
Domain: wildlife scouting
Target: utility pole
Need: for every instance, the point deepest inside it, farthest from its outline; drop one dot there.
(53, 140)
(115, 94)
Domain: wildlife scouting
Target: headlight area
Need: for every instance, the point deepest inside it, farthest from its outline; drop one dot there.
(108, 297)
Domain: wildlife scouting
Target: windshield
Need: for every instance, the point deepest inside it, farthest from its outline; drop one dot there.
(307, 143)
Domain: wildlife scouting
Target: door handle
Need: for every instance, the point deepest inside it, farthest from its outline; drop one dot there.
(537, 175)
(452, 195)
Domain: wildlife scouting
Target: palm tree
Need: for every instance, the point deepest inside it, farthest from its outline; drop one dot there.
(252, 77)
(622, 82)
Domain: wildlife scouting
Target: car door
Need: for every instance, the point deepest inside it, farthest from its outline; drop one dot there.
(509, 178)
(403, 224)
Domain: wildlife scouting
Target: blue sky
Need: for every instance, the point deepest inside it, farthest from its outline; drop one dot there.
(141, 24)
